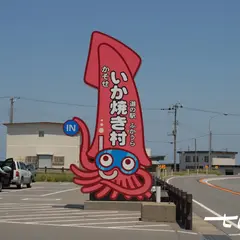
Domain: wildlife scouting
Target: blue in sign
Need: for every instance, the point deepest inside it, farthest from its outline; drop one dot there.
(70, 128)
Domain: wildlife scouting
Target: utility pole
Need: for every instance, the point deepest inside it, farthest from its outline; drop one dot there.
(210, 150)
(175, 136)
(174, 132)
(210, 138)
(196, 162)
(11, 109)
(12, 100)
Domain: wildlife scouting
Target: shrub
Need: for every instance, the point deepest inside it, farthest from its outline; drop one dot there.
(54, 177)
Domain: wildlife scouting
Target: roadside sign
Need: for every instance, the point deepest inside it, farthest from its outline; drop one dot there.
(70, 128)
(162, 166)
(206, 166)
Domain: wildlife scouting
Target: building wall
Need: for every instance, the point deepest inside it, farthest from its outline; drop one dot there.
(23, 140)
(223, 159)
(225, 170)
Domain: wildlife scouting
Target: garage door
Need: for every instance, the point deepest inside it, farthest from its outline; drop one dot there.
(45, 161)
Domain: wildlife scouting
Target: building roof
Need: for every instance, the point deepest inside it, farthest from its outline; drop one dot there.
(23, 123)
(216, 152)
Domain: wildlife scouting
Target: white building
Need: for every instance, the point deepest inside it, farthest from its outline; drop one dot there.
(43, 144)
(219, 158)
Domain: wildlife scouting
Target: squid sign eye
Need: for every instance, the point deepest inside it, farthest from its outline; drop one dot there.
(128, 164)
(106, 160)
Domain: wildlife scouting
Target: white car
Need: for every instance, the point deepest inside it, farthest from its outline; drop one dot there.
(19, 174)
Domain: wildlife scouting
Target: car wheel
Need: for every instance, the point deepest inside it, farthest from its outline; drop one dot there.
(29, 184)
(19, 186)
(1, 186)
(33, 179)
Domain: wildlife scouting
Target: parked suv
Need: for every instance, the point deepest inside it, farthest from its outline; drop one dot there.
(19, 174)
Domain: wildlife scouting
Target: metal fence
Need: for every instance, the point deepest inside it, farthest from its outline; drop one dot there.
(53, 170)
(183, 202)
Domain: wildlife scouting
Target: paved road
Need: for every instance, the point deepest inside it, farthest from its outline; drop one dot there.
(212, 202)
(55, 211)
(232, 184)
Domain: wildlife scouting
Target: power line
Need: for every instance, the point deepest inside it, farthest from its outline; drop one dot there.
(227, 134)
(93, 106)
(73, 104)
(5, 97)
(188, 139)
(210, 111)
(182, 140)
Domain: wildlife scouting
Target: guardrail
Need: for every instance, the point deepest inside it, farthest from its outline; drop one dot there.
(52, 170)
(183, 202)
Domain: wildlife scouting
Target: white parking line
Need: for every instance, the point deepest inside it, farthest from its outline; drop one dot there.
(104, 227)
(143, 226)
(29, 210)
(83, 219)
(30, 204)
(139, 229)
(24, 189)
(26, 208)
(44, 215)
(53, 193)
(234, 234)
(100, 223)
(41, 199)
(20, 195)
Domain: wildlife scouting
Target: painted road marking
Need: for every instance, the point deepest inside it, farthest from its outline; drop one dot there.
(53, 193)
(86, 217)
(20, 190)
(20, 195)
(234, 234)
(100, 223)
(31, 210)
(26, 207)
(56, 215)
(207, 180)
(30, 204)
(78, 218)
(143, 226)
(206, 208)
(83, 219)
(41, 199)
(96, 227)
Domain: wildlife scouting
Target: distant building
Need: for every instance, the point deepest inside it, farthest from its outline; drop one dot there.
(156, 161)
(41, 143)
(219, 158)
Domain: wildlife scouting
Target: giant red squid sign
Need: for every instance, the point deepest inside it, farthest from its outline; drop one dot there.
(115, 162)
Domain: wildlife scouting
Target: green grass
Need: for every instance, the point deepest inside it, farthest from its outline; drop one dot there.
(185, 173)
(68, 176)
(54, 177)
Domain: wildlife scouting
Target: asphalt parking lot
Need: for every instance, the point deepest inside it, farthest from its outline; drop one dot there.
(55, 210)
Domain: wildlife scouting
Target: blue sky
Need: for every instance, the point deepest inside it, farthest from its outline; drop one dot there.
(190, 53)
